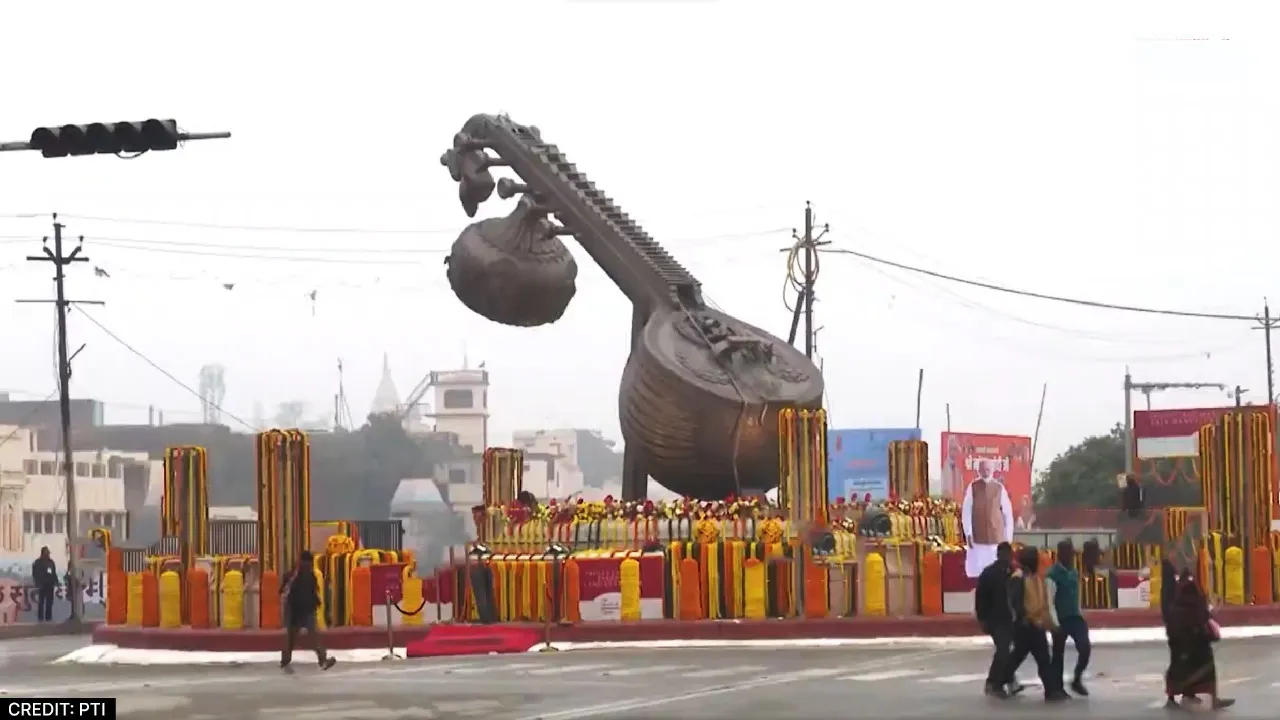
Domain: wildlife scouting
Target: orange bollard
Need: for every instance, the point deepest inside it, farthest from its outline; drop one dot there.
(198, 597)
(690, 590)
(117, 595)
(1260, 575)
(361, 596)
(115, 559)
(815, 590)
(931, 584)
(150, 600)
(268, 601)
(571, 609)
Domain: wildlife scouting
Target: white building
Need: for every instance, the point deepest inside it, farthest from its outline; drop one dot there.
(462, 406)
(33, 498)
(550, 462)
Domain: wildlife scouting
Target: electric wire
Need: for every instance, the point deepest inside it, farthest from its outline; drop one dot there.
(261, 228)
(1077, 332)
(255, 256)
(159, 369)
(1173, 357)
(1040, 296)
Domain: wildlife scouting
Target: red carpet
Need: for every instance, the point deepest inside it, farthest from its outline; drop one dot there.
(474, 640)
(494, 638)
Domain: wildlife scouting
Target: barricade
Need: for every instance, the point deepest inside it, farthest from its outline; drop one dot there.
(1260, 571)
(232, 591)
(198, 592)
(1233, 576)
(875, 588)
(1096, 591)
(150, 600)
(170, 599)
(133, 613)
(931, 583)
(117, 588)
(269, 611)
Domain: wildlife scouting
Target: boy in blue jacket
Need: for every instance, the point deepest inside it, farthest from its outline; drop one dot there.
(1066, 600)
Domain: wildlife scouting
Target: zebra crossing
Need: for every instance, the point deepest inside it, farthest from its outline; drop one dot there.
(1102, 683)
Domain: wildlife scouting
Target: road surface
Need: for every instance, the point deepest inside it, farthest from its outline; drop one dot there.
(868, 682)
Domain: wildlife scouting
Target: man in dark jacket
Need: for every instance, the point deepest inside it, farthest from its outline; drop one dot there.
(44, 574)
(301, 598)
(995, 615)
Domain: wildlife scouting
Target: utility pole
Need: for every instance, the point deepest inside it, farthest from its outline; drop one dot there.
(1266, 322)
(1147, 389)
(809, 244)
(60, 261)
(1035, 438)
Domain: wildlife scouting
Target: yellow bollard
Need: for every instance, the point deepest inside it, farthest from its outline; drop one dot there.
(410, 599)
(629, 580)
(232, 600)
(1233, 572)
(133, 608)
(170, 592)
(320, 608)
(874, 585)
(753, 581)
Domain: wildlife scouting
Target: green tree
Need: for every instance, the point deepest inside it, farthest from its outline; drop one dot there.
(1085, 474)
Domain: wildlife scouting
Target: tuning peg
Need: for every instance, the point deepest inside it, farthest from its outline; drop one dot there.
(464, 141)
(553, 230)
(450, 160)
(531, 206)
(508, 188)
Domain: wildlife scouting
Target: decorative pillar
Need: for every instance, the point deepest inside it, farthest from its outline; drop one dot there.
(283, 460)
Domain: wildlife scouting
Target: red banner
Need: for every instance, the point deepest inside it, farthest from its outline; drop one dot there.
(1004, 458)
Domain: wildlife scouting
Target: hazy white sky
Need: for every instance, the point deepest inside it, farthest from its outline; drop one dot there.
(1118, 151)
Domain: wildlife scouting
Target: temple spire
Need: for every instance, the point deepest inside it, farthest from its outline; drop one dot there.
(386, 399)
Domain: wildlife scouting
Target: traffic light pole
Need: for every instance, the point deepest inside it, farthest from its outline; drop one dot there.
(108, 138)
(60, 261)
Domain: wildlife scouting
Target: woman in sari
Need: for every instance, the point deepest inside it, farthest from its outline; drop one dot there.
(1191, 667)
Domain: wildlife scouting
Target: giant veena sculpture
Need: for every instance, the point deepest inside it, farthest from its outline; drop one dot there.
(701, 391)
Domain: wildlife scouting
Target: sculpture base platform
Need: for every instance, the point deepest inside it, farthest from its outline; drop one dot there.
(348, 638)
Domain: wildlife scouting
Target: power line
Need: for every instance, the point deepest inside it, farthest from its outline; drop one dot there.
(1041, 296)
(1171, 357)
(1127, 339)
(246, 256)
(161, 370)
(269, 248)
(265, 228)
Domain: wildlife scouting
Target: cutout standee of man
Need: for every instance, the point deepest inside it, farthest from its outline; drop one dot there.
(987, 514)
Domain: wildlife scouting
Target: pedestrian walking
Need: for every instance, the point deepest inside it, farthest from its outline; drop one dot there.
(301, 597)
(1071, 622)
(995, 615)
(1192, 632)
(1034, 615)
(44, 573)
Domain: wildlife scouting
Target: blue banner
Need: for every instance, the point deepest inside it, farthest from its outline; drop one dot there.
(858, 461)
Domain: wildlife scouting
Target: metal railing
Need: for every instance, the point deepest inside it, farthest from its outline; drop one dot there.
(233, 537)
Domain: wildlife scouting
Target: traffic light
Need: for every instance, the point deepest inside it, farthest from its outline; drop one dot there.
(106, 138)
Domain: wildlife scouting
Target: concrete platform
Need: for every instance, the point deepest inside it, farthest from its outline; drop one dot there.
(348, 638)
